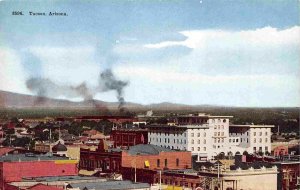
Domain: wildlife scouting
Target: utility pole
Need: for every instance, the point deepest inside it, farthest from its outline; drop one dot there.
(135, 169)
(159, 179)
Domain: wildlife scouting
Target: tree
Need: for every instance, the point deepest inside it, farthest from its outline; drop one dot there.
(245, 153)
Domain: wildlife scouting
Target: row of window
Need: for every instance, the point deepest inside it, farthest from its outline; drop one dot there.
(198, 149)
(218, 121)
(219, 140)
(219, 134)
(167, 140)
(234, 140)
(260, 133)
(166, 162)
(260, 140)
(260, 149)
(193, 141)
(219, 127)
(198, 134)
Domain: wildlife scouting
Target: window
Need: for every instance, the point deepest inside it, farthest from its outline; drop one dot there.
(204, 148)
(222, 133)
(254, 140)
(260, 133)
(233, 140)
(224, 120)
(215, 140)
(266, 133)
(198, 148)
(237, 140)
(166, 162)
(222, 140)
(204, 141)
(193, 141)
(158, 163)
(192, 134)
(184, 141)
(204, 134)
(192, 148)
(266, 149)
(177, 162)
(198, 141)
(230, 140)
(216, 133)
(247, 140)
(266, 140)
(260, 140)
(254, 134)
(254, 149)
(198, 135)
(174, 140)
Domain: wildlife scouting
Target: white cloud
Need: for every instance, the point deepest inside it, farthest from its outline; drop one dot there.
(267, 36)
(12, 74)
(68, 65)
(243, 68)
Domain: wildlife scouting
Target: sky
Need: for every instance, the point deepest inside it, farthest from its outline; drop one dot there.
(225, 52)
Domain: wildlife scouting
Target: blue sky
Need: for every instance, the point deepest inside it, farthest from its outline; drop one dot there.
(236, 53)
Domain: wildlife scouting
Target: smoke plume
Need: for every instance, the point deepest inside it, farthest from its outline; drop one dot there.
(107, 82)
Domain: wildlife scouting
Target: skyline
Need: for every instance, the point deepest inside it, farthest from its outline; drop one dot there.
(195, 52)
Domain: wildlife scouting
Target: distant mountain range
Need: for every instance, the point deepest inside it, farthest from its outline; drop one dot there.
(15, 100)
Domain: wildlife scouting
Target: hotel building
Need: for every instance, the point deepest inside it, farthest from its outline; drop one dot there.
(207, 136)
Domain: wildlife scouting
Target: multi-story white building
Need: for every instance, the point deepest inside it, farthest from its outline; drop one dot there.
(207, 136)
(250, 138)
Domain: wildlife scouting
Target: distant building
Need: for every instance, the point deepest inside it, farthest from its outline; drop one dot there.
(129, 137)
(281, 151)
(207, 136)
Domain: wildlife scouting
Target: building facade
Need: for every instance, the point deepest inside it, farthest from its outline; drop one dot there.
(129, 137)
(207, 136)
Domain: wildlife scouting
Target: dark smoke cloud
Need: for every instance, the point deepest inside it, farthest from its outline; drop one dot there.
(111, 83)
(107, 82)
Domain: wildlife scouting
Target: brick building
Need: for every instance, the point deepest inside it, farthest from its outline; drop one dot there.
(281, 151)
(129, 137)
(289, 171)
(144, 159)
(15, 167)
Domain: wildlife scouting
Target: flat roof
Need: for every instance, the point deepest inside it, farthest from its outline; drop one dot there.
(206, 116)
(253, 126)
(59, 178)
(30, 157)
(110, 185)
